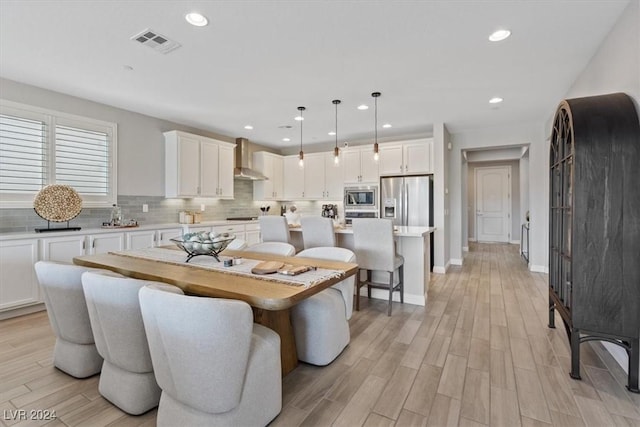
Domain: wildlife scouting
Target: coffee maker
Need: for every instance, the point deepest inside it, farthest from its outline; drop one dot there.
(330, 211)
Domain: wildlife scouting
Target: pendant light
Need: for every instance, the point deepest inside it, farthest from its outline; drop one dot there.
(336, 150)
(301, 154)
(376, 156)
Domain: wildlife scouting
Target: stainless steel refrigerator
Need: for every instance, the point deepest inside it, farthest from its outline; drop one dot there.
(408, 200)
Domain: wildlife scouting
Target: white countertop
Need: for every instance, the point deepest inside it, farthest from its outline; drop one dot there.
(401, 231)
(84, 231)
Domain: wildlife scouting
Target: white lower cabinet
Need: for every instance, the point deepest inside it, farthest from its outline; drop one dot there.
(105, 243)
(141, 239)
(62, 249)
(165, 236)
(252, 234)
(18, 282)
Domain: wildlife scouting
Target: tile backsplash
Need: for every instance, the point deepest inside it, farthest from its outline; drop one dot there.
(161, 210)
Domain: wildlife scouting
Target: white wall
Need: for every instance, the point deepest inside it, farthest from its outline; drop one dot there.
(441, 199)
(615, 68)
(532, 134)
(140, 139)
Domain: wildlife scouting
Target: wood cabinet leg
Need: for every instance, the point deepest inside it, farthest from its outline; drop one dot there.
(552, 313)
(575, 354)
(634, 359)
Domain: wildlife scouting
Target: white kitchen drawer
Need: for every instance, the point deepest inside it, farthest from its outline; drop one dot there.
(229, 228)
(254, 226)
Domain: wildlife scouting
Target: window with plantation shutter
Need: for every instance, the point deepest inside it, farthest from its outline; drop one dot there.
(40, 147)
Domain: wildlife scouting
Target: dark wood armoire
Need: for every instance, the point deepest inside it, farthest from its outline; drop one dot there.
(594, 224)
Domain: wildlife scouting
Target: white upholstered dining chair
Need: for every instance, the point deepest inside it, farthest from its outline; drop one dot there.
(317, 231)
(375, 250)
(274, 229)
(213, 364)
(274, 248)
(127, 378)
(321, 322)
(75, 351)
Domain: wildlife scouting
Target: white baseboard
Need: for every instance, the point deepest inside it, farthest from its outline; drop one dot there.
(384, 295)
(471, 239)
(515, 242)
(456, 261)
(465, 249)
(22, 311)
(439, 269)
(539, 268)
(619, 354)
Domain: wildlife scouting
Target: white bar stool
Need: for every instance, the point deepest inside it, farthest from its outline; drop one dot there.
(317, 231)
(274, 229)
(375, 251)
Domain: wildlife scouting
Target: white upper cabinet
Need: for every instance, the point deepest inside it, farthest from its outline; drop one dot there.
(293, 178)
(333, 177)
(359, 165)
(271, 166)
(407, 157)
(314, 176)
(196, 166)
(320, 179)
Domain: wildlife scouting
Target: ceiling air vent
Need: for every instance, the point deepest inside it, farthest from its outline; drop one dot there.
(155, 41)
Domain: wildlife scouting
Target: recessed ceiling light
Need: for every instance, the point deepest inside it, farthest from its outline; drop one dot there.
(495, 100)
(363, 107)
(499, 35)
(332, 133)
(248, 127)
(286, 139)
(298, 118)
(194, 18)
(386, 125)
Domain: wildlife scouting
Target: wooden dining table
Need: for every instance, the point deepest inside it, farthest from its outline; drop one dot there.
(271, 301)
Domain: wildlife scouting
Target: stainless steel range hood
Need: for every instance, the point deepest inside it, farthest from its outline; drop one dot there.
(243, 163)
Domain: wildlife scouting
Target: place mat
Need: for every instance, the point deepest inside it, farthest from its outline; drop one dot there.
(172, 256)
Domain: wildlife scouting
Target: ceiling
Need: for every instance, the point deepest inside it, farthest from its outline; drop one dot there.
(257, 61)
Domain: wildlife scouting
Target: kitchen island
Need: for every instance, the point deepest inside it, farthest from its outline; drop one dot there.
(413, 243)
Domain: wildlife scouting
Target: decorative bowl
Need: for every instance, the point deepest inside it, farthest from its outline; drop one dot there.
(211, 244)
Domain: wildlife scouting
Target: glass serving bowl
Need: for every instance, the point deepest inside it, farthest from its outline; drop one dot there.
(199, 244)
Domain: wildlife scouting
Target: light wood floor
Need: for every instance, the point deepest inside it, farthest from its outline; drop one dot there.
(480, 353)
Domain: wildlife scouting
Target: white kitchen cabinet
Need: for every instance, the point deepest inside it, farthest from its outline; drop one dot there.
(105, 243)
(141, 239)
(252, 234)
(165, 235)
(18, 282)
(65, 248)
(196, 166)
(314, 186)
(359, 165)
(407, 157)
(293, 179)
(62, 248)
(272, 166)
(333, 178)
(235, 229)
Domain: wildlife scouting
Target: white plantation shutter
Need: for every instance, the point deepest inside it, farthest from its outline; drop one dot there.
(82, 160)
(22, 154)
(40, 147)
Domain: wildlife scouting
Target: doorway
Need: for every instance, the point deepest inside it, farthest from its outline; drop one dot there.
(493, 203)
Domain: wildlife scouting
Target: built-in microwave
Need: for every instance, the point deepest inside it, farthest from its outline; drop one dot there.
(363, 197)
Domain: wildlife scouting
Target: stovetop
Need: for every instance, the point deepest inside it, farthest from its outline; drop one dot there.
(242, 218)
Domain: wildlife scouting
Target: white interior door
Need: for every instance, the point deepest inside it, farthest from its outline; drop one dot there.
(493, 204)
